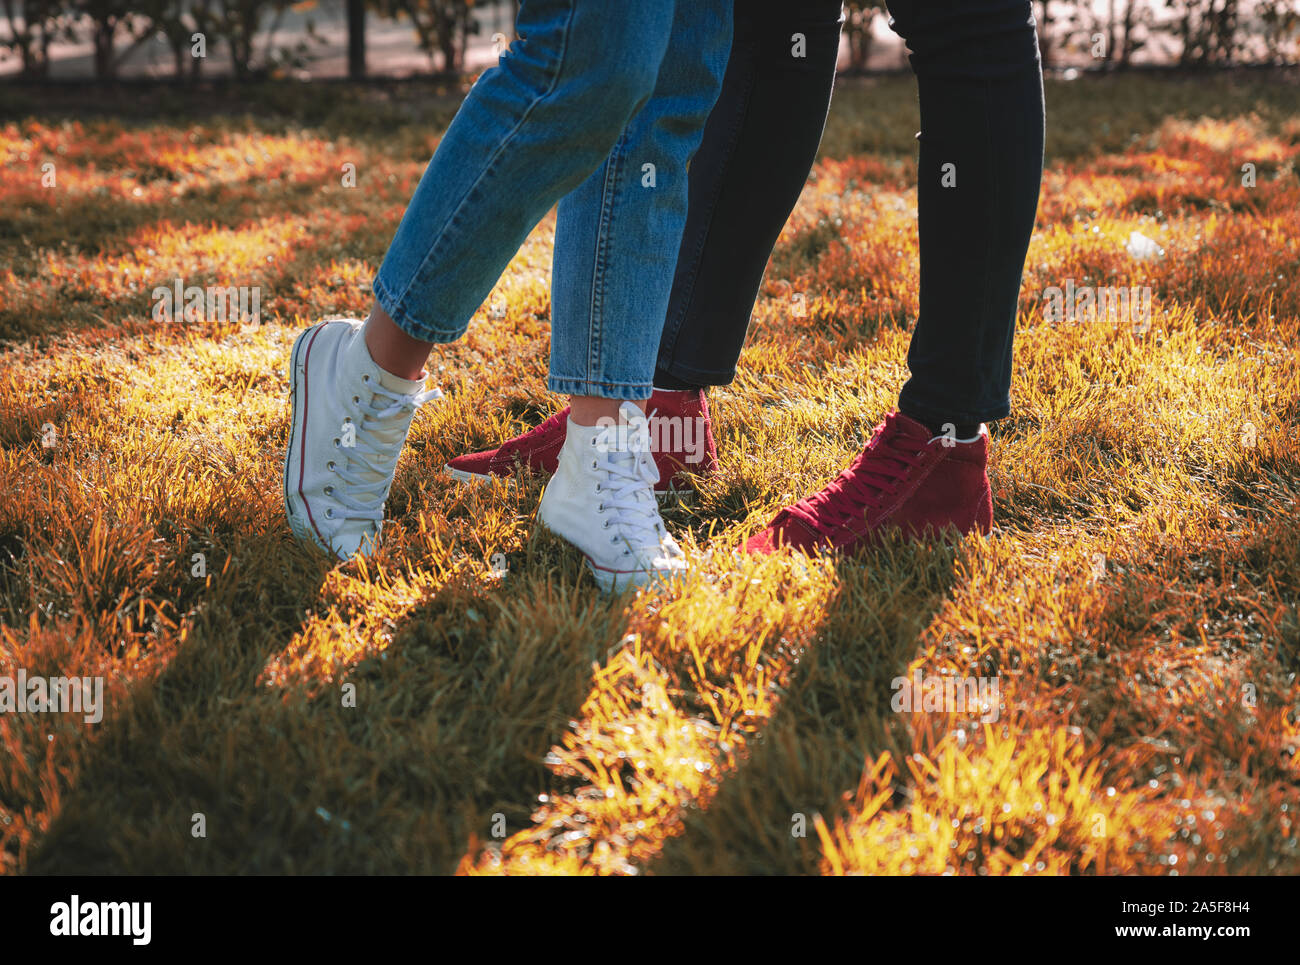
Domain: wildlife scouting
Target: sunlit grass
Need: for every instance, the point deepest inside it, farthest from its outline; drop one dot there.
(419, 712)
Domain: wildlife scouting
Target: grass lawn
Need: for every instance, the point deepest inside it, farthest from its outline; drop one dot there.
(422, 712)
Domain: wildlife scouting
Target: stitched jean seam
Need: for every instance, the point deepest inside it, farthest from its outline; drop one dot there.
(608, 204)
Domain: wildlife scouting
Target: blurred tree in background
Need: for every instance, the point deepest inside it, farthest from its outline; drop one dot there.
(859, 30)
(116, 27)
(443, 26)
(33, 25)
(1104, 34)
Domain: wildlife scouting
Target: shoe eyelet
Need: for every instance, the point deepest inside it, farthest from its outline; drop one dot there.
(330, 466)
(365, 378)
(597, 487)
(601, 509)
(595, 464)
(356, 400)
(347, 420)
(604, 525)
(329, 490)
(329, 513)
(336, 443)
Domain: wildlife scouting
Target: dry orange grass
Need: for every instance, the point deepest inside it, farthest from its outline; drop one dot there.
(1137, 602)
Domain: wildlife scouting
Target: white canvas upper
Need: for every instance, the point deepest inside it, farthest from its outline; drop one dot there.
(601, 499)
(349, 422)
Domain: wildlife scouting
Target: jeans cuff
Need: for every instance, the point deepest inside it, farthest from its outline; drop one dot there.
(934, 415)
(403, 320)
(637, 391)
(701, 377)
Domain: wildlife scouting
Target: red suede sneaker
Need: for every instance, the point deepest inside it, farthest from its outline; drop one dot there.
(681, 437)
(906, 478)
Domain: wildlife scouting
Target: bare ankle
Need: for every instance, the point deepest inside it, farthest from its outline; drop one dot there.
(592, 410)
(392, 349)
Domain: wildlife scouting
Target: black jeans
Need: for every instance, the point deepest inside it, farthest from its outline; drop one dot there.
(981, 96)
(758, 146)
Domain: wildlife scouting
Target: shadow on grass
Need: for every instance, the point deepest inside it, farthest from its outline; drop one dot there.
(834, 714)
(181, 744)
(442, 739)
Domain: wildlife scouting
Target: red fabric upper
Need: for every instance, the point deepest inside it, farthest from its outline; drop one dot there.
(904, 478)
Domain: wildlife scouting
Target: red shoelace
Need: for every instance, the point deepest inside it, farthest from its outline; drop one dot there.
(867, 483)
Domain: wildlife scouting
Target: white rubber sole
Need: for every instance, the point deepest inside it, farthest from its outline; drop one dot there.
(291, 513)
(470, 478)
(616, 581)
(298, 523)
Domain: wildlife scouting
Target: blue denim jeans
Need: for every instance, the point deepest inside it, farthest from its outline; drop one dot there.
(601, 105)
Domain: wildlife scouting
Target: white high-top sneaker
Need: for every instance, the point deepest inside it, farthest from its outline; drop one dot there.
(601, 499)
(348, 424)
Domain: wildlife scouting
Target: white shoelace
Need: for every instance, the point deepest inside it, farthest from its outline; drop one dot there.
(376, 455)
(628, 490)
